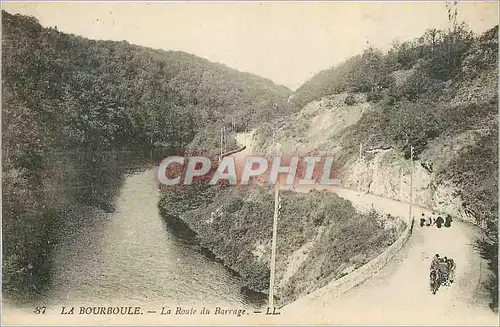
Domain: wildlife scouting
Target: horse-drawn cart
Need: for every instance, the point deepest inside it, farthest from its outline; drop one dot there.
(442, 273)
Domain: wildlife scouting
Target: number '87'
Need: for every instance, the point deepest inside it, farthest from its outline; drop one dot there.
(39, 310)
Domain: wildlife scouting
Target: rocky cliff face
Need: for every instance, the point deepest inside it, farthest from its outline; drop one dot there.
(388, 175)
(326, 127)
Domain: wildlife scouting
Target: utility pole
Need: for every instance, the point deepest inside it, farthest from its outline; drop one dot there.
(93, 176)
(277, 206)
(225, 139)
(221, 141)
(151, 149)
(411, 183)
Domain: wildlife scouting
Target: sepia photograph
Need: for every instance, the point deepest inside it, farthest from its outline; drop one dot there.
(249, 163)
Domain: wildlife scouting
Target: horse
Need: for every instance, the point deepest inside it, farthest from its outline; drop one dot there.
(439, 275)
(434, 281)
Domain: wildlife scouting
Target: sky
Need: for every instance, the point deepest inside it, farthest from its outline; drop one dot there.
(285, 42)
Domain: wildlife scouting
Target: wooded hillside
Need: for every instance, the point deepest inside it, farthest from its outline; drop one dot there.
(78, 113)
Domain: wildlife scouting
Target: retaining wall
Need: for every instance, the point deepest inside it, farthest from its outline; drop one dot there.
(358, 276)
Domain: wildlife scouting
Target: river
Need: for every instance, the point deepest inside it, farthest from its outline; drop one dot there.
(130, 256)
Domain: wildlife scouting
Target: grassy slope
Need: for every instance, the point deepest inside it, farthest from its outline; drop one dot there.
(236, 223)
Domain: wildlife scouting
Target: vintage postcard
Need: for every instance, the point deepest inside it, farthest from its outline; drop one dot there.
(249, 163)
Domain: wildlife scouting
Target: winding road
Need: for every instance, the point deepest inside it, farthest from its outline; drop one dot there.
(399, 293)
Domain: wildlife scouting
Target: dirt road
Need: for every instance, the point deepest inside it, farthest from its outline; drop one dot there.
(399, 293)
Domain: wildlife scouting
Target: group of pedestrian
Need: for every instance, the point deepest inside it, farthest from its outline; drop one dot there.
(434, 220)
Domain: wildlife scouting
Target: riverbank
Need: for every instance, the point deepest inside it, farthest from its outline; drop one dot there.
(184, 231)
(131, 256)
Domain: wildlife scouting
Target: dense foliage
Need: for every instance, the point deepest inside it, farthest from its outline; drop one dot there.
(75, 112)
(438, 88)
(438, 54)
(362, 73)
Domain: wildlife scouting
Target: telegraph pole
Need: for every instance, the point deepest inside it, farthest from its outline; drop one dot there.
(411, 183)
(277, 205)
(221, 141)
(225, 139)
(151, 149)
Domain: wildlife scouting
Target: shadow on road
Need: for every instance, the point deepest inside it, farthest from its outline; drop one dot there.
(489, 251)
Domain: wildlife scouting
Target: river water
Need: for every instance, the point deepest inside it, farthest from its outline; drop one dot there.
(130, 256)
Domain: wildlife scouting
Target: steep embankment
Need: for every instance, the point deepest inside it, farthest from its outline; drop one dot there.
(322, 126)
(437, 94)
(326, 238)
(375, 112)
(78, 113)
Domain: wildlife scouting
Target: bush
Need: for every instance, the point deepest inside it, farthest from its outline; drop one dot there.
(374, 96)
(350, 100)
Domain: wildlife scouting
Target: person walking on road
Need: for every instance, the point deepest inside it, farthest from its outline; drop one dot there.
(451, 269)
(439, 221)
(448, 221)
(422, 220)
